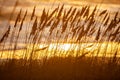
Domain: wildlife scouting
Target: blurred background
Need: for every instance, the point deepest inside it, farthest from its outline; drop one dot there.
(7, 6)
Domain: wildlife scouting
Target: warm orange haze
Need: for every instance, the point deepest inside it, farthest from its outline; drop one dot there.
(64, 49)
(59, 40)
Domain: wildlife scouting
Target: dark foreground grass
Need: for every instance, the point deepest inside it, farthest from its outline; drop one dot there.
(58, 68)
(62, 26)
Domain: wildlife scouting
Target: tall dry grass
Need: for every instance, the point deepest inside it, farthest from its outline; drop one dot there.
(74, 26)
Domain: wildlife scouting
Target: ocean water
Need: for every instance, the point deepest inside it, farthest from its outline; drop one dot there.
(62, 49)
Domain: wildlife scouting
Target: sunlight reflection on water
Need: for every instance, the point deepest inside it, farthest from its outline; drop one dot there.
(65, 49)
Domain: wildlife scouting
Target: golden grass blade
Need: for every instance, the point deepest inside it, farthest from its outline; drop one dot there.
(43, 16)
(116, 15)
(64, 27)
(34, 28)
(23, 21)
(87, 12)
(83, 10)
(5, 35)
(107, 20)
(60, 11)
(105, 17)
(53, 12)
(69, 11)
(18, 18)
(98, 34)
(103, 12)
(33, 13)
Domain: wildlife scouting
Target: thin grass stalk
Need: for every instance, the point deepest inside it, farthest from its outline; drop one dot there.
(116, 15)
(105, 16)
(23, 21)
(34, 28)
(76, 17)
(21, 25)
(14, 8)
(43, 16)
(72, 14)
(18, 18)
(68, 12)
(64, 27)
(107, 20)
(5, 36)
(33, 13)
(14, 30)
(98, 34)
(18, 34)
(53, 12)
(60, 12)
(103, 12)
(86, 14)
(83, 10)
(93, 13)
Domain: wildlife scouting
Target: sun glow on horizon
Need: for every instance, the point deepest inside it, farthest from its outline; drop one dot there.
(63, 48)
(66, 47)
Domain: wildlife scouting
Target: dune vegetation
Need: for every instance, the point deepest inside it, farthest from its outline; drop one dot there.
(61, 44)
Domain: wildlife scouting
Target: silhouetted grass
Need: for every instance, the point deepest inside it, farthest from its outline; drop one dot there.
(59, 68)
(63, 26)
